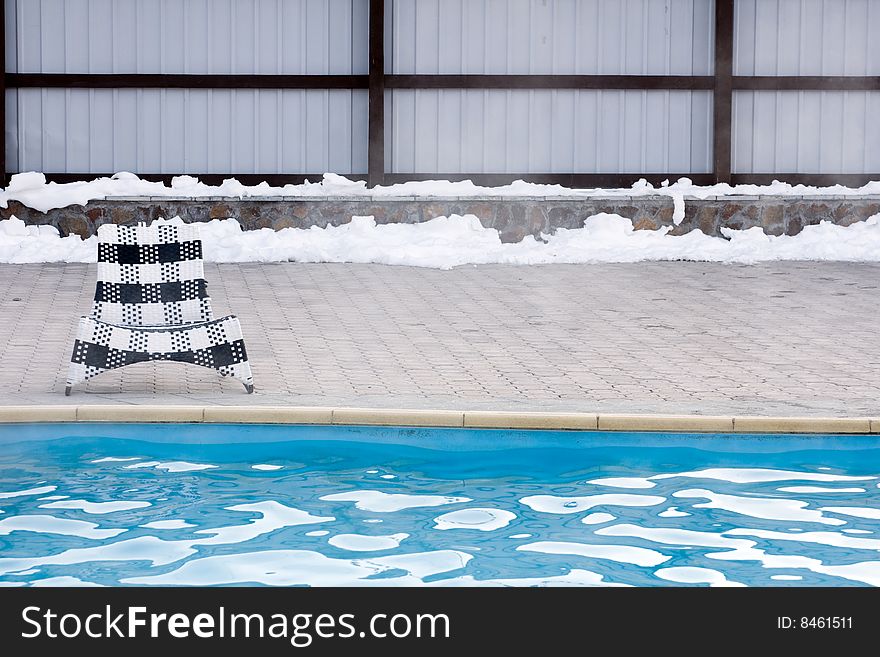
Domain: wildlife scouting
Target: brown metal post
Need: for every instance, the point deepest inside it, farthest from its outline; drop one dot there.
(376, 144)
(723, 98)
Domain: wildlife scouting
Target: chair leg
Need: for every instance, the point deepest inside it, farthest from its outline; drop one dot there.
(249, 387)
(67, 391)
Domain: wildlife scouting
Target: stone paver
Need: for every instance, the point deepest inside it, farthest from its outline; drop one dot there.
(769, 339)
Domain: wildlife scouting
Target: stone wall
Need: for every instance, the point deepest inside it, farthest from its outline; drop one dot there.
(514, 218)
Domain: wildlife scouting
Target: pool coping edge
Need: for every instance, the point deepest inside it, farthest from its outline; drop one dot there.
(481, 419)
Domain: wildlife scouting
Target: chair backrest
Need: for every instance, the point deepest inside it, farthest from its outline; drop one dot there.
(151, 276)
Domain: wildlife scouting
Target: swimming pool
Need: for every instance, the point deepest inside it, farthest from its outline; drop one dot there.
(335, 505)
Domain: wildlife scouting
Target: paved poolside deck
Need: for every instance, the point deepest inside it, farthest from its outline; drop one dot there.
(789, 339)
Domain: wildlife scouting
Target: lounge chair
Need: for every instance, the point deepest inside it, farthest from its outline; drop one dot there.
(151, 304)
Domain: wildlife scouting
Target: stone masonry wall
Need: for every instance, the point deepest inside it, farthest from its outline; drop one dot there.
(514, 218)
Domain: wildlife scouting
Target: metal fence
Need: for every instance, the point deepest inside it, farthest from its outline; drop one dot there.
(577, 92)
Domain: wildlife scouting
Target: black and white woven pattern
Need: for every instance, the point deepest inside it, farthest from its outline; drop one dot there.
(151, 303)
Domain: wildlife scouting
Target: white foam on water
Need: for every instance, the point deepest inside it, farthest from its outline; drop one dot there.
(482, 519)
(273, 567)
(425, 564)
(388, 476)
(41, 524)
(116, 459)
(737, 549)
(818, 489)
(520, 536)
(834, 539)
(787, 578)
(623, 482)
(758, 507)
(282, 567)
(556, 504)
(318, 532)
(171, 466)
(167, 524)
(574, 577)
(266, 466)
(64, 580)
(621, 553)
(752, 553)
(142, 548)
(380, 502)
(597, 518)
(365, 543)
(856, 531)
(29, 491)
(673, 536)
(694, 575)
(53, 497)
(758, 475)
(673, 512)
(96, 508)
(867, 572)
(273, 516)
(306, 568)
(183, 466)
(854, 511)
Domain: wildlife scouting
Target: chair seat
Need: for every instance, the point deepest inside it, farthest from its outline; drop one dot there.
(164, 339)
(101, 346)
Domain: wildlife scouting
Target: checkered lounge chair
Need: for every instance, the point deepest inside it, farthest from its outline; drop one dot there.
(151, 303)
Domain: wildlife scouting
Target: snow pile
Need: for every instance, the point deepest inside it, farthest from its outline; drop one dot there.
(32, 190)
(448, 242)
(20, 243)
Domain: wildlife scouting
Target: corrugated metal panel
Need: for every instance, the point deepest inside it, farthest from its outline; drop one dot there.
(452, 131)
(806, 131)
(807, 37)
(648, 37)
(12, 130)
(152, 131)
(187, 130)
(445, 131)
(523, 131)
(187, 36)
(11, 28)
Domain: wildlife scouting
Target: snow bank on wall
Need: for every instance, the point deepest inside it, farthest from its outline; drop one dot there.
(32, 190)
(448, 242)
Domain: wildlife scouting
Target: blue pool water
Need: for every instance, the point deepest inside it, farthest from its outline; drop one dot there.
(276, 505)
